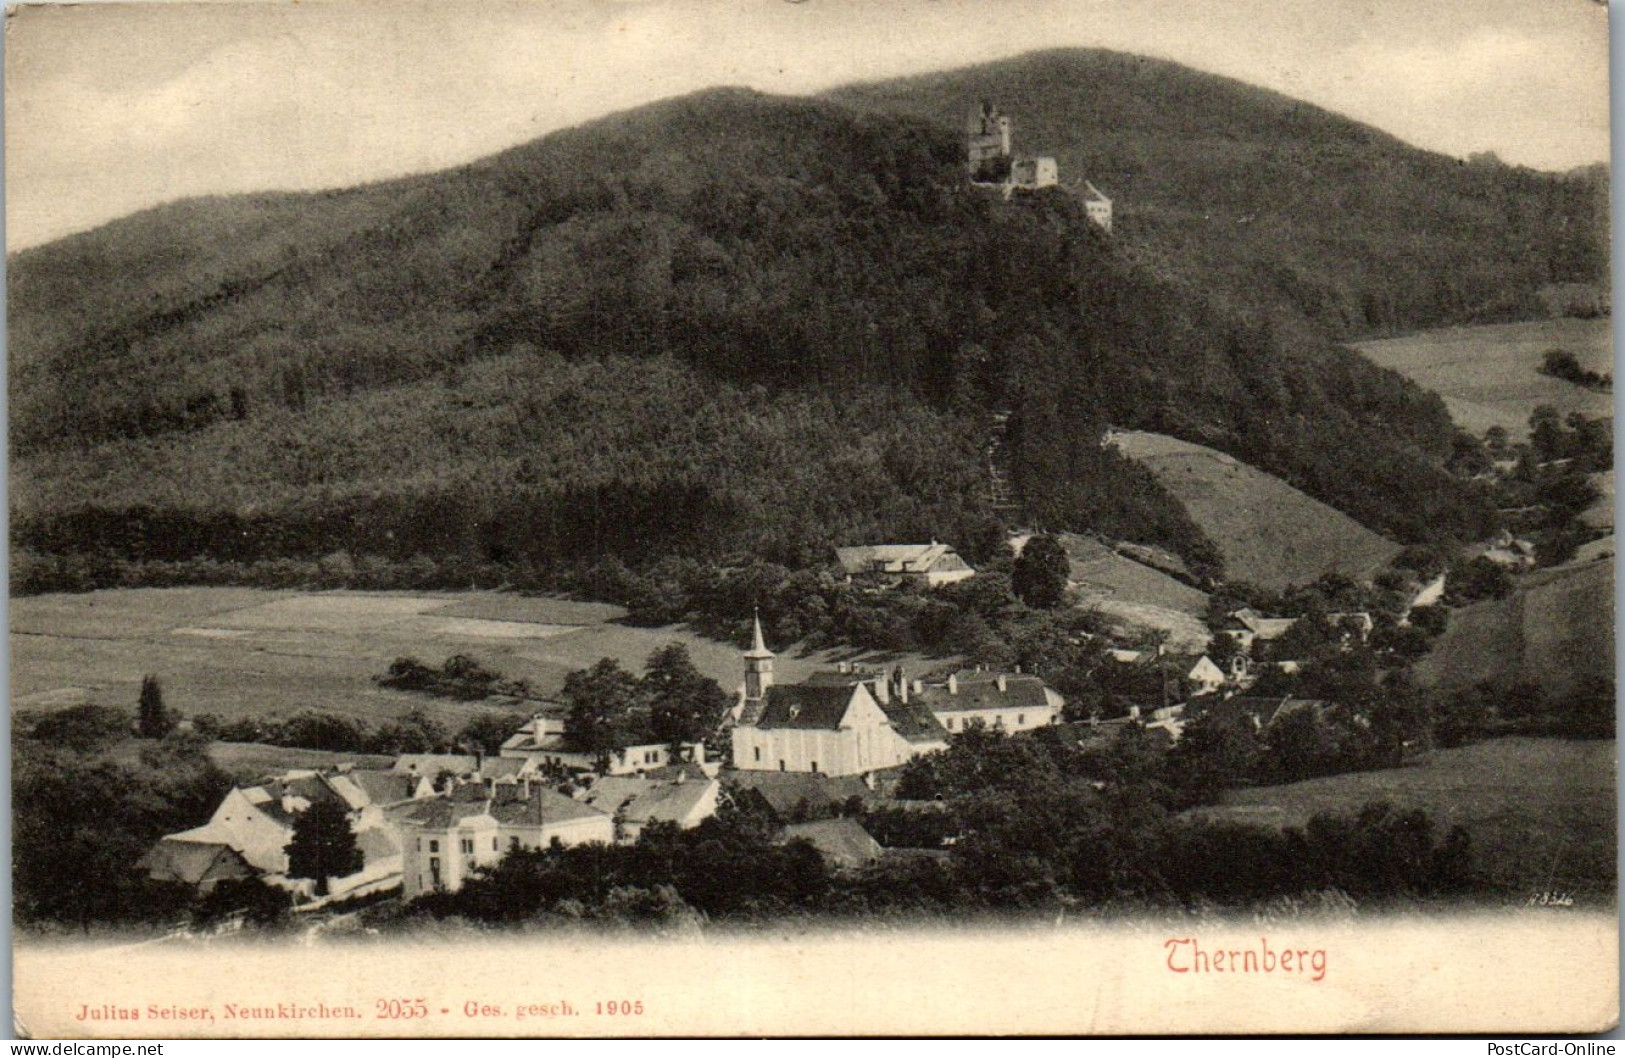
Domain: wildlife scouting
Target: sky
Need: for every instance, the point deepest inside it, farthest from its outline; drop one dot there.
(114, 107)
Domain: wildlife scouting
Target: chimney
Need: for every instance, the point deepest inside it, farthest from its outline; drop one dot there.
(842, 667)
(682, 776)
(902, 686)
(953, 683)
(882, 688)
(1003, 685)
(1018, 668)
(1133, 712)
(919, 686)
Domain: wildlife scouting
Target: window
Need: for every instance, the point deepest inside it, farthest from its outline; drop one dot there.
(781, 766)
(815, 765)
(434, 846)
(493, 844)
(420, 844)
(758, 754)
(468, 845)
(1021, 718)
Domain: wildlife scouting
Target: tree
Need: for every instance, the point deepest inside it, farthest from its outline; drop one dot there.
(684, 705)
(323, 845)
(1041, 573)
(488, 731)
(601, 703)
(1215, 752)
(83, 727)
(152, 719)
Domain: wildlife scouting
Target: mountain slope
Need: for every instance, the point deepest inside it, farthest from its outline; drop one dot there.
(1268, 532)
(657, 333)
(1278, 203)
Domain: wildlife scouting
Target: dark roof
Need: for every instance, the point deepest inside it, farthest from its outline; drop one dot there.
(981, 691)
(785, 790)
(542, 808)
(384, 787)
(1264, 710)
(914, 721)
(193, 863)
(804, 706)
(440, 813)
(843, 842)
(836, 678)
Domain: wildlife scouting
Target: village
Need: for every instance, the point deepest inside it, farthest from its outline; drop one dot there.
(801, 752)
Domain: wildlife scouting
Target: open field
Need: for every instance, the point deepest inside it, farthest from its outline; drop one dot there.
(1135, 597)
(1268, 532)
(1488, 375)
(1541, 812)
(242, 651)
(1555, 628)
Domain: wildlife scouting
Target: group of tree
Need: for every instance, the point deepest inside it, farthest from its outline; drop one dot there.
(1560, 363)
(609, 709)
(459, 676)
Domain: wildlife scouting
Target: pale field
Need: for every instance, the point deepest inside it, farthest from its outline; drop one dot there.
(1488, 375)
(248, 652)
(1541, 812)
(1268, 532)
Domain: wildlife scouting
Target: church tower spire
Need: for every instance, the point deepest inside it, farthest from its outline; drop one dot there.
(758, 664)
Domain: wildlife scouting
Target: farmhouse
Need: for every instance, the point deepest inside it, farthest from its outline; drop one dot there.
(1205, 677)
(928, 564)
(541, 743)
(995, 700)
(635, 802)
(1247, 626)
(446, 839)
(842, 841)
(252, 826)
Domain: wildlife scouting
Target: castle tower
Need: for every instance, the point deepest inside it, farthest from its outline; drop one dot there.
(758, 665)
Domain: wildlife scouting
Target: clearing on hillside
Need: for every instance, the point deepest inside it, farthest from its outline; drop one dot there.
(1555, 628)
(1268, 532)
(1488, 375)
(1541, 811)
(1133, 596)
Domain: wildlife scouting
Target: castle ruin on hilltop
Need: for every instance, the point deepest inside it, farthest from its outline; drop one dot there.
(991, 163)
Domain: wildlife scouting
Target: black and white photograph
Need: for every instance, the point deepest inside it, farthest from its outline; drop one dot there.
(810, 517)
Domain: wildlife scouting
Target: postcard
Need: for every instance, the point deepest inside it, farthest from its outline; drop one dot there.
(936, 517)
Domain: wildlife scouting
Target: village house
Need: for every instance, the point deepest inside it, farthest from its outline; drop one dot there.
(686, 799)
(541, 742)
(1262, 713)
(446, 839)
(929, 565)
(1247, 626)
(1032, 174)
(252, 826)
(1205, 677)
(842, 842)
(998, 701)
(832, 723)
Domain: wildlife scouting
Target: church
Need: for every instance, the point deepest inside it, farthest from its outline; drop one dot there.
(845, 722)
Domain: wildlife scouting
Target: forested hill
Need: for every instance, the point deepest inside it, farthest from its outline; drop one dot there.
(723, 323)
(1279, 204)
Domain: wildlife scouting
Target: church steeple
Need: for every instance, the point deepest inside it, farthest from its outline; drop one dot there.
(758, 664)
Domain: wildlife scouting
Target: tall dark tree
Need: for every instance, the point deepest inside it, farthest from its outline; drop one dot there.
(323, 845)
(1041, 572)
(684, 705)
(153, 720)
(602, 702)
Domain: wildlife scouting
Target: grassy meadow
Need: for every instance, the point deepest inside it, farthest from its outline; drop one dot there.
(244, 652)
(1488, 375)
(1541, 812)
